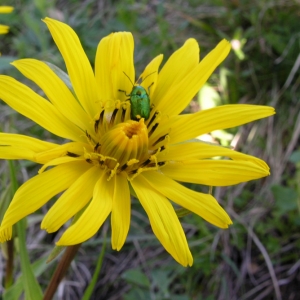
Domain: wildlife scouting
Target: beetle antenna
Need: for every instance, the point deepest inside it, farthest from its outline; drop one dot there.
(128, 78)
(147, 77)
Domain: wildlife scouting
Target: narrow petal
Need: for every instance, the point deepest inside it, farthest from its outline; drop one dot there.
(59, 161)
(179, 65)
(215, 172)
(72, 200)
(120, 216)
(201, 150)
(201, 204)
(94, 215)
(77, 63)
(22, 99)
(4, 29)
(38, 190)
(164, 221)
(150, 75)
(6, 9)
(189, 126)
(17, 146)
(107, 57)
(177, 98)
(72, 149)
(56, 91)
(114, 59)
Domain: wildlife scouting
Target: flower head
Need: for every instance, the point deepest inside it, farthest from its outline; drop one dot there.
(123, 138)
(5, 10)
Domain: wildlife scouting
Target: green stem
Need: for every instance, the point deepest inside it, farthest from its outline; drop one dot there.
(60, 271)
(9, 264)
(31, 286)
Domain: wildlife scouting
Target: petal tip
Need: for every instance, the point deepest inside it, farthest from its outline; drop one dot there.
(5, 234)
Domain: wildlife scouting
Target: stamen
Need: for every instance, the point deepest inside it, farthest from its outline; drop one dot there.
(152, 119)
(150, 164)
(133, 172)
(145, 163)
(71, 154)
(88, 136)
(159, 140)
(123, 114)
(113, 172)
(158, 150)
(120, 144)
(96, 125)
(153, 129)
(124, 167)
(112, 119)
(90, 139)
(96, 147)
(101, 117)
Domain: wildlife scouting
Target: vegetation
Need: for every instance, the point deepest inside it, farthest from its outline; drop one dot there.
(258, 256)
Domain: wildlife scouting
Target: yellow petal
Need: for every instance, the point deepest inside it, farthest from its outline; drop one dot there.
(125, 66)
(189, 126)
(201, 204)
(120, 216)
(177, 67)
(77, 63)
(5, 234)
(56, 91)
(60, 161)
(22, 99)
(6, 9)
(201, 150)
(107, 58)
(4, 29)
(94, 215)
(72, 200)
(16, 146)
(74, 149)
(150, 75)
(38, 190)
(114, 59)
(214, 172)
(164, 221)
(177, 98)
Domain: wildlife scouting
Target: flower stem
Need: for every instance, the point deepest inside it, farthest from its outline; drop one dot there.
(61, 270)
(9, 264)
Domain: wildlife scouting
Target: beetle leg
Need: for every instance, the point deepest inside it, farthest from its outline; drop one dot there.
(124, 93)
(150, 87)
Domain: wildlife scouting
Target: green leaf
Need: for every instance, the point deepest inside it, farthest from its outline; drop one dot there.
(135, 276)
(88, 292)
(55, 252)
(181, 212)
(295, 157)
(32, 289)
(137, 293)
(62, 75)
(15, 291)
(5, 62)
(285, 198)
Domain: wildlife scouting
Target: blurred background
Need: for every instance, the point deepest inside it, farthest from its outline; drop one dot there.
(258, 257)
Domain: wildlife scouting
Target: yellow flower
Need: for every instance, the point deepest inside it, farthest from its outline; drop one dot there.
(5, 10)
(110, 155)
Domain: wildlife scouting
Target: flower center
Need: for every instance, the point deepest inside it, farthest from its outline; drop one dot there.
(120, 144)
(124, 142)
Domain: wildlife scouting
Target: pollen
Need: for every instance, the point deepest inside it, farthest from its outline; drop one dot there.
(122, 145)
(126, 141)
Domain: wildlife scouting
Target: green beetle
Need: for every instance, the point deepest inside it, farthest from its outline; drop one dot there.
(139, 100)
